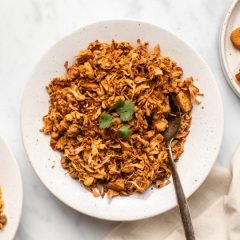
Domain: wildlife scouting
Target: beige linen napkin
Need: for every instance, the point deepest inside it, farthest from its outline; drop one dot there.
(215, 210)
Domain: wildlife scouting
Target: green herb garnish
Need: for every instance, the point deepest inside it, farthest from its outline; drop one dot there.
(105, 120)
(119, 103)
(126, 111)
(124, 132)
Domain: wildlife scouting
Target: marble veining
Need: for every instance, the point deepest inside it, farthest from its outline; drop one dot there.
(30, 27)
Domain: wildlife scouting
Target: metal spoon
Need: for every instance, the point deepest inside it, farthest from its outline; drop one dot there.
(174, 121)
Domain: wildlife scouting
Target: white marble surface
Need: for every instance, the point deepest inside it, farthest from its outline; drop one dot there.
(29, 27)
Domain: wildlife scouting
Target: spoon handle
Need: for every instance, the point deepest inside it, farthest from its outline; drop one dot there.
(182, 202)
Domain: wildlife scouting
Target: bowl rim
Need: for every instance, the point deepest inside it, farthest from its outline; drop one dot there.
(222, 49)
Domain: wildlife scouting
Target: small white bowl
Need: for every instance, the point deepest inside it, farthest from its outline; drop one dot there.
(201, 148)
(11, 184)
(229, 55)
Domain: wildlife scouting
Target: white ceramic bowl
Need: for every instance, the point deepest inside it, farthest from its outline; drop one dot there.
(11, 184)
(229, 55)
(201, 148)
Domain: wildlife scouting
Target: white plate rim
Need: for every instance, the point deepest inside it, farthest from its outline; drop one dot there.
(199, 183)
(228, 75)
(20, 185)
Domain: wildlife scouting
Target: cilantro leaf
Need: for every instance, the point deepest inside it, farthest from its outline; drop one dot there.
(126, 111)
(124, 132)
(119, 103)
(105, 120)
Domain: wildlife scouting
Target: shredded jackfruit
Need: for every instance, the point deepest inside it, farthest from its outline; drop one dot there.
(3, 218)
(101, 75)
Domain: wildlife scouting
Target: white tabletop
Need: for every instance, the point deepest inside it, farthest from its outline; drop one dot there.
(29, 27)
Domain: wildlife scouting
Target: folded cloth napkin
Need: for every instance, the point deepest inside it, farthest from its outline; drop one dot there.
(215, 210)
